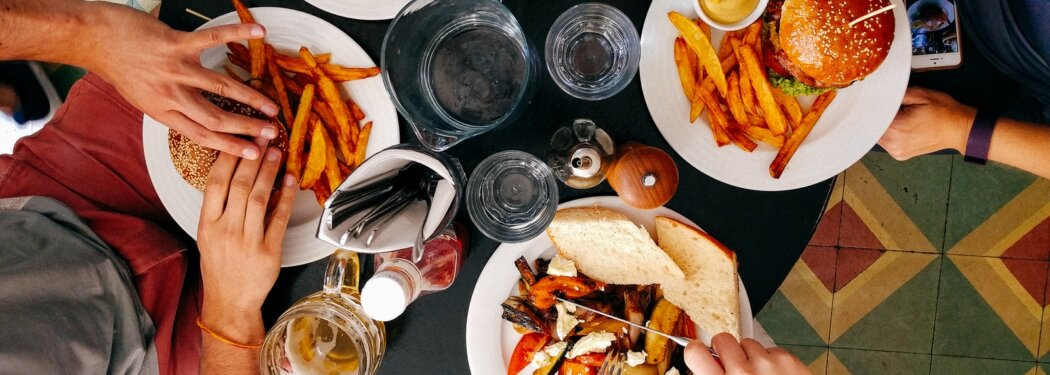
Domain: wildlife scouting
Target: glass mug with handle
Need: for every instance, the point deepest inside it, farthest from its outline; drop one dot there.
(327, 332)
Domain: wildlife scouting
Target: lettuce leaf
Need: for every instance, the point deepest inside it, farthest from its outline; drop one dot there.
(792, 86)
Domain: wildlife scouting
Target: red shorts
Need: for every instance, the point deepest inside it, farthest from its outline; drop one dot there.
(90, 158)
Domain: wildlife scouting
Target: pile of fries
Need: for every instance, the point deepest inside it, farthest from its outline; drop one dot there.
(735, 80)
(326, 138)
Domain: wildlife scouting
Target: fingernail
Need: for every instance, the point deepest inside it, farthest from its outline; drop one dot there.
(257, 31)
(269, 132)
(273, 154)
(250, 153)
(269, 109)
(289, 180)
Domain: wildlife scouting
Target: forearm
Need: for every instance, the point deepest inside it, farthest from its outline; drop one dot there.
(60, 31)
(242, 326)
(1023, 145)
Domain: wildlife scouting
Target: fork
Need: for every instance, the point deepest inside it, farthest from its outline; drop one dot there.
(614, 364)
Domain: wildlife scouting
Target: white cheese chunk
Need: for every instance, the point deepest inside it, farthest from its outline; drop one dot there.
(672, 371)
(566, 322)
(554, 350)
(540, 359)
(561, 267)
(592, 343)
(636, 358)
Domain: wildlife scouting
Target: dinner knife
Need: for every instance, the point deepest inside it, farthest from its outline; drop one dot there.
(677, 339)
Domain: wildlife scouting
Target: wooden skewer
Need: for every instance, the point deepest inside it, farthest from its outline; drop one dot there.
(201, 16)
(869, 15)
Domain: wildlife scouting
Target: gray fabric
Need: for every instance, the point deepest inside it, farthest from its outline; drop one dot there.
(67, 302)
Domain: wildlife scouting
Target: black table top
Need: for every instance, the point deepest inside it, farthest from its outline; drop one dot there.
(768, 231)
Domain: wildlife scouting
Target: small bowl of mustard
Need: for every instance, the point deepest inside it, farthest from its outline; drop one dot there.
(729, 15)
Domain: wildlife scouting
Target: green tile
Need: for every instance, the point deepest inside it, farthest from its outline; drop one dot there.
(861, 362)
(903, 322)
(784, 323)
(920, 188)
(977, 192)
(968, 326)
(813, 356)
(943, 365)
(1045, 367)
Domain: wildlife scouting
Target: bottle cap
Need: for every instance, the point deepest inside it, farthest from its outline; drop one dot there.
(385, 296)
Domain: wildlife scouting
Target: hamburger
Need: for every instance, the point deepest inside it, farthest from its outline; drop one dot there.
(809, 47)
(193, 161)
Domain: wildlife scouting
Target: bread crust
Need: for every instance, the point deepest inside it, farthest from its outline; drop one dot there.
(817, 38)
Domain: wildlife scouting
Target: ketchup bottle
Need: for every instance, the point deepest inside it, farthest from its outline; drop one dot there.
(398, 281)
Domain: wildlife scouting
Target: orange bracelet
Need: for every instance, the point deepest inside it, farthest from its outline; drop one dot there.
(223, 339)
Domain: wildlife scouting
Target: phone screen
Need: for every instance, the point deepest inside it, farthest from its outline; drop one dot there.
(933, 28)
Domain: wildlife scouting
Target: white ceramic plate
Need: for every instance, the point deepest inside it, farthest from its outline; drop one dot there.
(287, 30)
(490, 339)
(849, 128)
(372, 10)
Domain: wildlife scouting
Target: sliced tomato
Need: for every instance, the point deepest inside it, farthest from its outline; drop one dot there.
(571, 367)
(542, 295)
(525, 350)
(591, 359)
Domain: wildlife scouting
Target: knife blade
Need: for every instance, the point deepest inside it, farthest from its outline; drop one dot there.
(677, 339)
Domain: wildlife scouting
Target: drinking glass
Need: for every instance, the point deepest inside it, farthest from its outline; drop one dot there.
(512, 196)
(457, 68)
(592, 51)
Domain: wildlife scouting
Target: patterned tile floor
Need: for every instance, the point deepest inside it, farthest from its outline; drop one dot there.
(926, 266)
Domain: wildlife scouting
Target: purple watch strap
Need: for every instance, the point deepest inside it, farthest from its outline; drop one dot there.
(980, 137)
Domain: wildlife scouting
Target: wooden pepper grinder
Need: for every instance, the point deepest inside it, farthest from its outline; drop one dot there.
(583, 156)
(644, 176)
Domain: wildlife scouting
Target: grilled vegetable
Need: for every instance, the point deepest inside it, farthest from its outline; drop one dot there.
(552, 366)
(664, 318)
(526, 272)
(542, 295)
(571, 367)
(516, 311)
(525, 350)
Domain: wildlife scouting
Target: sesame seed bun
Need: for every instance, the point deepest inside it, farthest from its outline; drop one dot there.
(193, 161)
(817, 39)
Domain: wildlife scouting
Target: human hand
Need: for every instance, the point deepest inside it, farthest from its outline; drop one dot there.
(157, 70)
(928, 121)
(740, 358)
(240, 248)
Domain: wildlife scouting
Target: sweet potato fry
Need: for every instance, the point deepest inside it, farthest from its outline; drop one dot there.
(776, 169)
(362, 143)
(292, 64)
(694, 37)
(342, 74)
(752, 33)
(279, 88)
(293, 86)
(321, 190)
(685, 71)
(315, 161)
(331, 168)
(239, 50)
(734, 102)
(747, 94)
(356, 111)
(763, 90)
(323, 58)
(328, 120)
(764, 135)
(717, 117)
(739, 138)
(791, 106)
(297, 139)
(239, 62)
(255, 46)
(330, 94)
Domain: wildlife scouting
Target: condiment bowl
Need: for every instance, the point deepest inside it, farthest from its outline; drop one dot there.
(760, 9)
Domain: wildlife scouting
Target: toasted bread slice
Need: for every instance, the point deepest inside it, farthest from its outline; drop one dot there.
(709, 293)
(609, 247)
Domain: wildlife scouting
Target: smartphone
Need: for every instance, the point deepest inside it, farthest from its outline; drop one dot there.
(935, 42)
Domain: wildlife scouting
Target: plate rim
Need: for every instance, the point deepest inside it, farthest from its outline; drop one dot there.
(477, 339)
(350, 8)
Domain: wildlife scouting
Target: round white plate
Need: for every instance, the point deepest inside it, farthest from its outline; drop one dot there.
(287, 30)
(490, 339)
(848, 129)
(372, 10)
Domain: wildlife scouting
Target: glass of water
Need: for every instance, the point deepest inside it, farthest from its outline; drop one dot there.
(592, 51)
(512, 196)
(457, 68)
